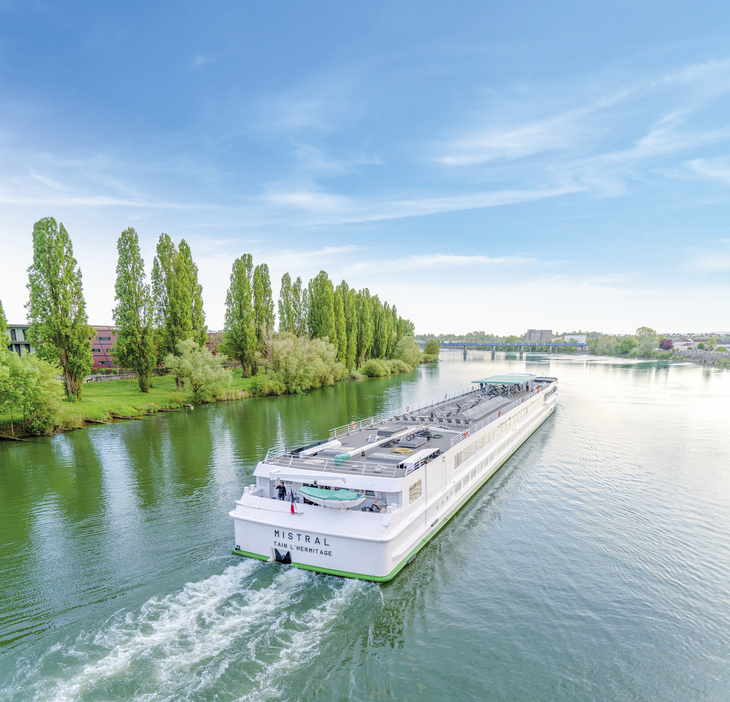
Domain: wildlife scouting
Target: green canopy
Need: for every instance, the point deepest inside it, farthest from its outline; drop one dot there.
(508, 379)
(321, 494)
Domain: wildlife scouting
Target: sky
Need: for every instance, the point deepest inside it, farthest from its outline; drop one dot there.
(480, 165)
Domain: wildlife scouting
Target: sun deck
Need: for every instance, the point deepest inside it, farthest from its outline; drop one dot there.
(394, 445)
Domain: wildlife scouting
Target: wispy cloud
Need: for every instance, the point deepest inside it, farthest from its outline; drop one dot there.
(443, 262)
(200, 60)
(713, 168)
(326, 208)
(712, 259)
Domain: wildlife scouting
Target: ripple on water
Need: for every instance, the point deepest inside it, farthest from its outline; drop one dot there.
(245, 631)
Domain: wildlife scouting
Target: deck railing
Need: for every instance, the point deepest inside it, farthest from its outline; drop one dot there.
(327, 465)
(488, 420)
(384, 417)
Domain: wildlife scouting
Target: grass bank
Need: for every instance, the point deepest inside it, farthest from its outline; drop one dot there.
(106, 401)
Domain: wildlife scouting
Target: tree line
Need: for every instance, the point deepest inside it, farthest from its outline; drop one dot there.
(156, 320)
(356, 323)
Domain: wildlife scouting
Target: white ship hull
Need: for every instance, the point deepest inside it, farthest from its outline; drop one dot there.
(421, 497)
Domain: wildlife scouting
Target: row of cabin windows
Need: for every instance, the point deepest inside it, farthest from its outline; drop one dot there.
(489, 436)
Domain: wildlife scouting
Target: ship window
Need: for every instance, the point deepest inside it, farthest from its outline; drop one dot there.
(466, 480)
(370, 493)
(457, 487)
(474, 472)
(457, 460)
(414, 492)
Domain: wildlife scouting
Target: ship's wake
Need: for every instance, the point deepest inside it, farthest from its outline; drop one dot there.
(242, 635)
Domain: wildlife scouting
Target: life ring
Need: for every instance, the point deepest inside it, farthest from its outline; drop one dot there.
(352, 426)
(408, 409)
(466, 433)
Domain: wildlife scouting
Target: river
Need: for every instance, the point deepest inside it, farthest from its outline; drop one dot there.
(594, 566)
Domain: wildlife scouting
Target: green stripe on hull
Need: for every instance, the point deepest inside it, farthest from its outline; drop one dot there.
(416, 549)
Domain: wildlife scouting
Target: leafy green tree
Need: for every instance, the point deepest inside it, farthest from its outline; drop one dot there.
(177, 298)
(408, 350)
(200, 368)
(188, 271)
(701, 346)
(712, 343)
(350, 300)
(30, 391)
(646, 339)
(263, 302)
(134, 347)
(321, 317)
(365, 325)
(431, 350)
(3, 324)
(626, 345)
(300, 363)
(56, 309)
(286, 305)
(240, 339)
(340, 328)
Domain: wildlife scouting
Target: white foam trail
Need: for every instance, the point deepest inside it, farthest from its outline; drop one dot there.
(178, 646)
(304, 642)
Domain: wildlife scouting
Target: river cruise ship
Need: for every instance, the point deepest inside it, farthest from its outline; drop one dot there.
(364, 501)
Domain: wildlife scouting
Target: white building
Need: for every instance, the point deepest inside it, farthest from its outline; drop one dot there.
(539, 335)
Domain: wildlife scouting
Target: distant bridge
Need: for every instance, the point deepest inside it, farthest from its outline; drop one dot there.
(520, 346)
(525, 345)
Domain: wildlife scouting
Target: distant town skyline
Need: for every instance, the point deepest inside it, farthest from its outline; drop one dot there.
(480, 166)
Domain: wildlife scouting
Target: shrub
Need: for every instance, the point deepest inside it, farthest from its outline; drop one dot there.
(201, 368)
(431, 351)
(666, 344)
(31, 391)
(721, 349)
(264, 385)
(408, 350)
(300, 363)
(375, 368)
(395, 365)
(700, 346)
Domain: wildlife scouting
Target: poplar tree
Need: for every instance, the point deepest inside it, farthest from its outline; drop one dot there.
(340, 340)
(240, 339)
(364, 325)
(167, 294)
(58, 326)
(3, 325)
(188, 270)
(300, 300)
(134, 347)
(321, 318)
(177, 298)
(263, 302)
(351, 326)
(286, 305)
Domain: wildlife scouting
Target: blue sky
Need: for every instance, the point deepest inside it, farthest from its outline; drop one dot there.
(484, 166)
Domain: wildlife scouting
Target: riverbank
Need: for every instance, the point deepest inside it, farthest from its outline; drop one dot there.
(118, 400)
(122, 399)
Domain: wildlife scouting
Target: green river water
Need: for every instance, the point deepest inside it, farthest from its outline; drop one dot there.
(594, 566)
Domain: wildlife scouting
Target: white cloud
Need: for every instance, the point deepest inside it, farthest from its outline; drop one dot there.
(713, 168)
(443, 262)
(327, 208)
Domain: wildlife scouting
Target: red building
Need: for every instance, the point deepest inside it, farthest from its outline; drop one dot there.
(215, 339)
(101, 346)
